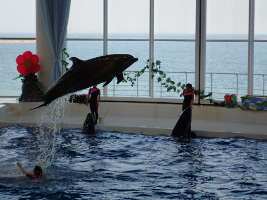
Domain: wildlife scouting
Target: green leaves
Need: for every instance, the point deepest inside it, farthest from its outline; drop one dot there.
(65, 53)
(161, 77)
(128, 78)
(171, 88)
(202, 94)
(158, 62)
(65, 56)
(19, 76)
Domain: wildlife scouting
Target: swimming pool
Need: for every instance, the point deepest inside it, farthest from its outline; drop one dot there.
(111, 165)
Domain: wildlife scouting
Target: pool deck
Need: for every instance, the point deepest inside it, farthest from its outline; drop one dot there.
(203, 128)
(148, 117)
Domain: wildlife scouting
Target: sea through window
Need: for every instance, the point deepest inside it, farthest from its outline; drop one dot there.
(17, 34)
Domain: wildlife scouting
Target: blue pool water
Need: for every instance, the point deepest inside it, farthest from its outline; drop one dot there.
(112, 165)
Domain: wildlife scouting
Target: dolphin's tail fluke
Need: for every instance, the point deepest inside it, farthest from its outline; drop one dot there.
(44, 104)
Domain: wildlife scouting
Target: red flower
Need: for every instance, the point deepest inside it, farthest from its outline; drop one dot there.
(28, 63)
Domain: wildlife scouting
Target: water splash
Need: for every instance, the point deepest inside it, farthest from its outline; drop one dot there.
(49, 130)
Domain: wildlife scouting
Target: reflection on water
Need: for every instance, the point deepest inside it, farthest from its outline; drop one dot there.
(123, 166)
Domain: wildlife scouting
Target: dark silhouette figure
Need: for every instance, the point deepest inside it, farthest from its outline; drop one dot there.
(94, 98)
(89, 124)
(183, 125)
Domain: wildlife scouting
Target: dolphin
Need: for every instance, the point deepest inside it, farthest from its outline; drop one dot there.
(183, 125)
(86, 73)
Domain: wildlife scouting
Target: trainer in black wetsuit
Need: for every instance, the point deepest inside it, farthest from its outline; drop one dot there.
(189, 95)
(94, 97)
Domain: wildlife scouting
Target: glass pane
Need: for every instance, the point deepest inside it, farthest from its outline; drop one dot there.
(227, 19)
(85, 49)
(178, 62)
(175, 19)
(86, 19)
(260, 68)
(9, 50)
(138, 49)
(226, 68)
(260, 19)
(17, 18)
(128, 18)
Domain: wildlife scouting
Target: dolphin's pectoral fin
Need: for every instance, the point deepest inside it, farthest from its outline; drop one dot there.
(107, 82)
(119, 77)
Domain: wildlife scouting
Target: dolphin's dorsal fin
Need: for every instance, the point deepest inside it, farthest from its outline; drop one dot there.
(75, 60)
(119, 77)
(107, 82)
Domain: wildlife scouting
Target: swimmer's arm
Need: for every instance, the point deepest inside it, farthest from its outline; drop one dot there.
(22, 169)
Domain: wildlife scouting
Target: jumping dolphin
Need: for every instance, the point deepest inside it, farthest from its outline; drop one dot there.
(84, 74)
(183, 125)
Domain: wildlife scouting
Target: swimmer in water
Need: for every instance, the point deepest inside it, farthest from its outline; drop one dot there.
(37, 171)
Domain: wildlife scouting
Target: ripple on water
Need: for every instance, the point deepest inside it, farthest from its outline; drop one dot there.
(110, 165)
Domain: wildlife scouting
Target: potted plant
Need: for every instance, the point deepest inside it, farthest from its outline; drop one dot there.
(28, 65)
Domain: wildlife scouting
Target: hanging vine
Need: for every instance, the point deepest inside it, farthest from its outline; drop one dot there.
(65, 55)
(162, 78)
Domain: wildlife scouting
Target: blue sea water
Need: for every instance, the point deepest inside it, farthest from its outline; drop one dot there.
(111, 165)
(222, 57)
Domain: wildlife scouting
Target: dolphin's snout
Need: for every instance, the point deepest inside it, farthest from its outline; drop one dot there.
(133, 60)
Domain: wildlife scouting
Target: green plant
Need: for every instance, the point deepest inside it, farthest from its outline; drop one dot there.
(202, 95)
(162, 78)
(65, 56)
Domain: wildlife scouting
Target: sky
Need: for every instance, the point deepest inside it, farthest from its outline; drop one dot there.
(132, 16)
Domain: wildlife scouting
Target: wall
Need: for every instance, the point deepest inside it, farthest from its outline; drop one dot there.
(146, 116)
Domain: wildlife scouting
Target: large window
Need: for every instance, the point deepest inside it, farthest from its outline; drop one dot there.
(227, 47)
(17, 18)
(85, 29)
(17, 33)
(165, 31)
(260, 20)
(128, 19)
(140, 50)
(86, 19)
(260, 48)
(128, 32)
(229, 37)
(174, 44)
(175, 19)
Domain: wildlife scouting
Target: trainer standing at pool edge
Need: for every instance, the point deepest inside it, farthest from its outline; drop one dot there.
(94, 98)
(189, 95)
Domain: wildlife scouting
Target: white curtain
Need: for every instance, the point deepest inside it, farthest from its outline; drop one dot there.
(55, 15)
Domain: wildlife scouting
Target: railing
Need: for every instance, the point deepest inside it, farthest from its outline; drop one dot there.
(217, 83)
